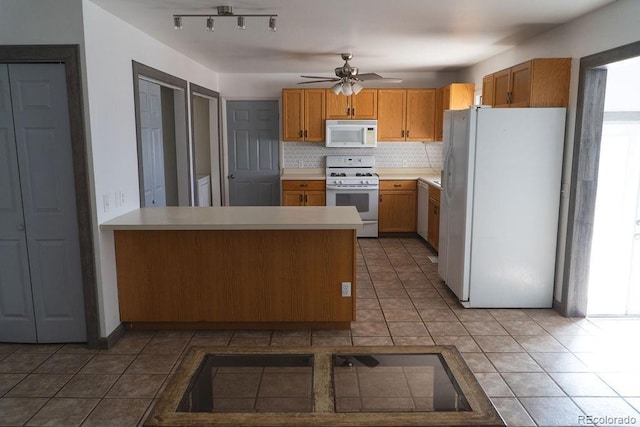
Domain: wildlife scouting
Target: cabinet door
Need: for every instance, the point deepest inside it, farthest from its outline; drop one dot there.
(461, 96)
(338, 106)
(520, 85)
(487, 90)
(397, 211)
(501, 88)
(292, 114)
(391, 114)
(421, 114)
(293, 198)
(315, 198)
(365, 105)
(314, 109)
(439, 114)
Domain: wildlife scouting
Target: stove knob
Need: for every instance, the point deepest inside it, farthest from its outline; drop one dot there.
(339, 181)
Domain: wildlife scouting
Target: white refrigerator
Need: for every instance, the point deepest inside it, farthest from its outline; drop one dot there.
(500, 203)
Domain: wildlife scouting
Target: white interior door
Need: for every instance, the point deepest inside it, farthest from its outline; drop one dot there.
(152, 144)
(47, 217)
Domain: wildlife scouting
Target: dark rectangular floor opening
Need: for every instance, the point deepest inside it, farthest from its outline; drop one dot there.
(251, 383)
(323, 386)
(395, 383)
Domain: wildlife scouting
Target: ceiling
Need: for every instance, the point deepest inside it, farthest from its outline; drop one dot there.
(391, 36)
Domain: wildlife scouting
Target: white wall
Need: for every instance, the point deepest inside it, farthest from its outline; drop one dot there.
(111, 45)
(612, 26)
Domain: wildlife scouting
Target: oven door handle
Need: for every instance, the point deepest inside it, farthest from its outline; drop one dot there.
(335, 187)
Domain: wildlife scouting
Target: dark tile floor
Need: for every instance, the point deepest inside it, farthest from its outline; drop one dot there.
(538, 368)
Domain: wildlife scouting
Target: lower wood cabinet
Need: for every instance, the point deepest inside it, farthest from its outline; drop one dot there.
(433, 217)
(304, 193)
(397, 209)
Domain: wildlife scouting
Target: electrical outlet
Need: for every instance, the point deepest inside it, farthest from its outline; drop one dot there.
(346, 289)
(105, 202)
(405, 163)
(300, 163)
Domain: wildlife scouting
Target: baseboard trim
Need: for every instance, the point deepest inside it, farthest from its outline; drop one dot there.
(113, 338)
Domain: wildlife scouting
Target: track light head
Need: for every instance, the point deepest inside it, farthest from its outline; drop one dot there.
(177, 22)
(241, 23)
(210, 23)
(272, 23)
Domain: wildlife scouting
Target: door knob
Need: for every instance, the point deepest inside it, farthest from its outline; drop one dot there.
(232, 176)
(20, 227)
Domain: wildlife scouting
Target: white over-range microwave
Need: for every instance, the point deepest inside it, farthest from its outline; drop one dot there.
(351, 133)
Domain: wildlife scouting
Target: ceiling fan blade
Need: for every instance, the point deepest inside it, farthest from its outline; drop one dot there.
(374, 76)
(316, 81)
(321, 77)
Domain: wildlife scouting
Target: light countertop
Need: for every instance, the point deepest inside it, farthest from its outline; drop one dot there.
(428, 175)
(238, 218)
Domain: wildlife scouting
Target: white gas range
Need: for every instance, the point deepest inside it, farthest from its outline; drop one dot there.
(352, 181)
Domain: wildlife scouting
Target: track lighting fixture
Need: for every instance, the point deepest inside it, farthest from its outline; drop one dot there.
(224, 12)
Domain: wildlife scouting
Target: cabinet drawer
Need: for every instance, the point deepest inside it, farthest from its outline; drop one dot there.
(434, 193)
(398, 185)
(303, 185)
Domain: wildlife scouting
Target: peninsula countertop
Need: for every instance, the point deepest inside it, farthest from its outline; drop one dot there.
(238, 218)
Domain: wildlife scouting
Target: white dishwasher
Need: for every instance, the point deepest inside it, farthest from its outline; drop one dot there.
(423, 208)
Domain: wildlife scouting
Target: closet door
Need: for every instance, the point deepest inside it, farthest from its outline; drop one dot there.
(17, 322)
(47, 184)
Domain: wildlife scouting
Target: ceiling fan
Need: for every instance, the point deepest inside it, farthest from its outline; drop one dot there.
(348, 78)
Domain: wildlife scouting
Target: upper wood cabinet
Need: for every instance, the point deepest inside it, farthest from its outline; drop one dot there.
(541, 82)
(303, 114)
(456, 96)
(406, 114)
(362, 106)
(487, 90)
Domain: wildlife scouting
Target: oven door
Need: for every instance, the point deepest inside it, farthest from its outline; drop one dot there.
(365, 199)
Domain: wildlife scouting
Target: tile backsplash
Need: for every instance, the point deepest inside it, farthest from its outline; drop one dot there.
(388, 154)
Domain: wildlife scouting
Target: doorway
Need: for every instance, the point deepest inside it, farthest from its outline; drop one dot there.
(164, 171)
(207, 147)
(41, 274)
(614, 274)
(604, 140)
(253, 153)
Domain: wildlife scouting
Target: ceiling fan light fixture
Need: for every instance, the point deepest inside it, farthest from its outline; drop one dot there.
(272, 23)
(177, 22)
(346, 89)
(210, 23)
(241, 23)
(357, 87)
(337, 88)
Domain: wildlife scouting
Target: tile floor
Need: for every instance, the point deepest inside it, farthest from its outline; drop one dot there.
(538, 368)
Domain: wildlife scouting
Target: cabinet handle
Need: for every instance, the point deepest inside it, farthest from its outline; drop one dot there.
(301, 134)
(306, 198)
(301, 198)
(353, 111)
(304, 185)
(348, 113)
(380, 198)
(305, 133)
(397, 185)
(403, 133)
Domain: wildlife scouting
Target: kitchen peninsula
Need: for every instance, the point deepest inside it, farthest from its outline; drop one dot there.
(236, 267)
